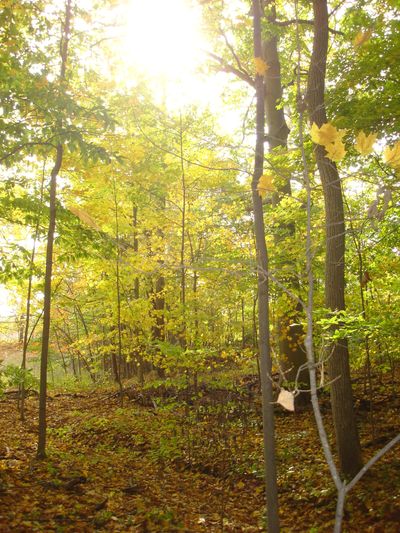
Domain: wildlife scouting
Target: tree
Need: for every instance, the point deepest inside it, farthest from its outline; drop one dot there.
(290, 331)
(41, 451)
(263, 293)
(347, 439)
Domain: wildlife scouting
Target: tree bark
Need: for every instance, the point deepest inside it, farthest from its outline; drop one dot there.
(347, 440)
(263, 294)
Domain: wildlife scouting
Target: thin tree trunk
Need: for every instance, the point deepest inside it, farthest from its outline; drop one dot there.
(64, 364)
(347, 439)
(136, 286)
(243, 325)
(78, 311)
(158, 300)
(116, 367)
(363, 299)
(28, 302)
(183, 230)
(136, 292)
(263, 294)
(41, 451)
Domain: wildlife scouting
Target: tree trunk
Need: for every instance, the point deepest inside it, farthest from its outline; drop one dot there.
(347, 439)
(263, 294)
(41, 451)
(136, 294)
(183, 230)
(291, 332)
(117, 365)
(28, 301)
(158, 300)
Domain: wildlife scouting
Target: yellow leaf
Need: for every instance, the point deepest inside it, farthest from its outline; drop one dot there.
(326, 134)
(361, 38)
(315, 133)
(265, 185)
(335, 151)
(261, 66)
(84, 217)
(240, 485)
(391, 156)
(364, 143)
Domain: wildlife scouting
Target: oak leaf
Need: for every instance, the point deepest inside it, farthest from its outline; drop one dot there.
(364, 143)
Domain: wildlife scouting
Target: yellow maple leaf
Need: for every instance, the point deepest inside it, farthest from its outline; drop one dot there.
(326, 134)
(314, 133)
(261, 66)
(364, 143)
(391, 156)
(361, 38)
(265, 185)
(335, 151)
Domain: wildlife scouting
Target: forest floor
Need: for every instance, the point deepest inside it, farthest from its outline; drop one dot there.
(166, 461)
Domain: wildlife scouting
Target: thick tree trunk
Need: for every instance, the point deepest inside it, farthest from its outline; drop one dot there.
(291, 333)
(347, 439)
(263, 295)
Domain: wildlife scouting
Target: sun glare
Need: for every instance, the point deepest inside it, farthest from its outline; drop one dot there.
(163, 37)
(165, 41)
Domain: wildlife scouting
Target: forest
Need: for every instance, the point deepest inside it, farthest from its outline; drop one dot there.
(199, 266)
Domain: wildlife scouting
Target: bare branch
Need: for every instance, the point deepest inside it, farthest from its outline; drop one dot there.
(226, 67)
(371, 462)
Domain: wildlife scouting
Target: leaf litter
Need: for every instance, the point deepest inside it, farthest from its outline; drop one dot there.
(184, 467)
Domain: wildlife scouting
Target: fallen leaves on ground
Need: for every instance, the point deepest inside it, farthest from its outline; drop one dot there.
(175, 467)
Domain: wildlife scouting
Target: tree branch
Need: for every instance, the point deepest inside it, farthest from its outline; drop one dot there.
(22, 146)
(226, 67)
(303, 22)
